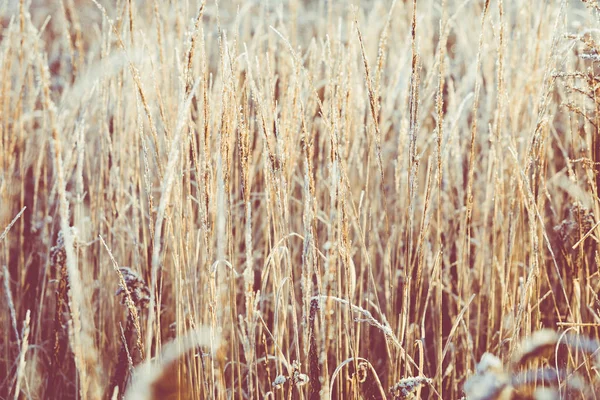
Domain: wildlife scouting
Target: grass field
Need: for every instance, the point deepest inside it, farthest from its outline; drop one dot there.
(294, 199)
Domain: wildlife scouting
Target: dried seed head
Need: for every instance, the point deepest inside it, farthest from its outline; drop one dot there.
(405, 388)
(300, 379)
(139, 291)
(279, 381)
(579, 221)
(58, 256)
(362, 372)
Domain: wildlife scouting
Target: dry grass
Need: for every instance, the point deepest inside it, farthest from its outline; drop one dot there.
(313, 199)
